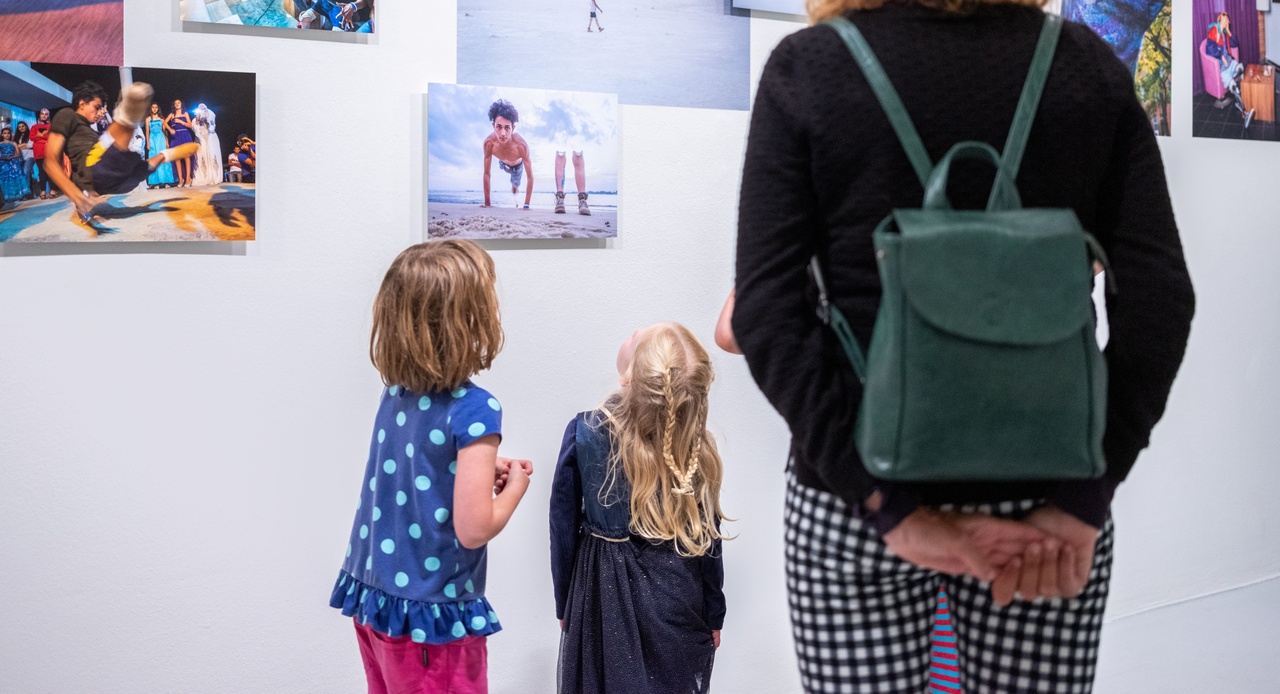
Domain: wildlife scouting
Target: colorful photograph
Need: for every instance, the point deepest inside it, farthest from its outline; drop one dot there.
(690, 53)
(92, 153)
(1237, 47)
(505, 163)
(320, 15)
(90, 32)
(1139, 31)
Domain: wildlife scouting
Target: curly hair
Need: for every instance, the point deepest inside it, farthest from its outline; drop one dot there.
(503, 108)
(821, 10)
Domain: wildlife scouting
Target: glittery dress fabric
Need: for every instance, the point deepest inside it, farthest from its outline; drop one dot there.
(637, 616)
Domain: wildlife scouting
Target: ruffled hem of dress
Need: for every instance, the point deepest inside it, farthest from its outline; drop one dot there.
(423, 622)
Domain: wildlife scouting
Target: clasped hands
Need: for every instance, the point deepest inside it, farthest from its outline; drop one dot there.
(1048, 554)
(505, 467)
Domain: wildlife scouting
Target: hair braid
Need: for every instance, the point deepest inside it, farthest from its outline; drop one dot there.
(682, 485)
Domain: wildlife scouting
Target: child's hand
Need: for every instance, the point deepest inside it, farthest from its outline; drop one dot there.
(518, 475)
(715, 637)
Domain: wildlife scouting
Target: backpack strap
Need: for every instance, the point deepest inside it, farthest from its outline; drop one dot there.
(886, 94)
(1016, 144)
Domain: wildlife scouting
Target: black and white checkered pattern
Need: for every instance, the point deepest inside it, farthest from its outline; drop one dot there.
(862, 618)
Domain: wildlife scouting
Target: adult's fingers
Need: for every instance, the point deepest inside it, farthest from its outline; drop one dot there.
(1006, 583)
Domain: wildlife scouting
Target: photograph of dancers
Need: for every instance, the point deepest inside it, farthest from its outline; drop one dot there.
(62, 31)
(323, 15)
(126, 168)
(498, 160)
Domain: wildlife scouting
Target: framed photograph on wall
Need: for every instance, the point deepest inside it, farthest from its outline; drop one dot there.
(355, 16)
(1237, 54)
(63, 31)
(795, 7)
(95, 153)
(509, 163)
(688, 53)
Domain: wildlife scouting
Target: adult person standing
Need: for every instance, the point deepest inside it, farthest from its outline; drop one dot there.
(22, 136)
(179, 126)
(39, 141)
(14, 182)
(813, 186)
(157, 142)
(209, 161)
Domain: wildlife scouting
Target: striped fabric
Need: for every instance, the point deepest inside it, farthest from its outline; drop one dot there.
(944, 667)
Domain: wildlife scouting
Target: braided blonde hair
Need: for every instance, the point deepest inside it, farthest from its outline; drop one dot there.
(659, 421)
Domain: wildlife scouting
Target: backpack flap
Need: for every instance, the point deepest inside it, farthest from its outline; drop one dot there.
(1019, 278)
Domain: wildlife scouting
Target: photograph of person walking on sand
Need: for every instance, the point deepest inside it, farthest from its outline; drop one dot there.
(484, 141)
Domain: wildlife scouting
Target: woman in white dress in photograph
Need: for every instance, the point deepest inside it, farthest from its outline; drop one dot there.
(209, 160)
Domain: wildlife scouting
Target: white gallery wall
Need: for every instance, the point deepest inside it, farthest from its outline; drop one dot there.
(183, 429)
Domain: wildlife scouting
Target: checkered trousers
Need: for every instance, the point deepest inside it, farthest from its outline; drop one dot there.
(862, 618)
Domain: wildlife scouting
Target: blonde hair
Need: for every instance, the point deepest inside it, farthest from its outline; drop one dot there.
(435, 320)
(822, 10)
(659, 424)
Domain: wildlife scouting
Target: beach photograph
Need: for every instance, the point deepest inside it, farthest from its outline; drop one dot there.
(510, 163)
(686, 53)
(62, 31)
(91, 153)
(321, 15)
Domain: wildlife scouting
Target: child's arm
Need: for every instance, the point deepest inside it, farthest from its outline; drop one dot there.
(713, 588)
(566, 517)
(479, 515)
(488, 162)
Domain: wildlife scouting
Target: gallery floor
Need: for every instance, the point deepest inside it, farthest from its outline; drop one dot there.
(1221, 643)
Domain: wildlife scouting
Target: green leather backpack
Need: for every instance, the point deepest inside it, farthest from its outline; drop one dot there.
(983, 364)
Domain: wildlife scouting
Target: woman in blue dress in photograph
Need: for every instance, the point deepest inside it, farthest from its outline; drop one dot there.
(13, 181)
(157, 142)
(178, 123)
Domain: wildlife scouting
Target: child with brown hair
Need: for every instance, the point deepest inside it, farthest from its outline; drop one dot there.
(635, 527)
(434, 490)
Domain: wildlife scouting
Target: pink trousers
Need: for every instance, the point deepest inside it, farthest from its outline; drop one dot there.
(400, 666)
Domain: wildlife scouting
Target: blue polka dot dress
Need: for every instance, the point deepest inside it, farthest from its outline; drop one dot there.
(405, 572)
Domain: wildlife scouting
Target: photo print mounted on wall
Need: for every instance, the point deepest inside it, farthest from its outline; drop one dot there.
(90, 32)
(690, 53)
(320, 15)
(1140, 32)
(795, 7)
(507, 163)
(1237, 47)
(94, 153)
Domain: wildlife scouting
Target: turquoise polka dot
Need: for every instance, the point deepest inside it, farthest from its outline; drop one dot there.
(442, 515)
(451, 590)
(402, 579)
(476, 429)
(364, 531)
(368, 564)
(415, 531)
(453, 467)
(459, 392)
(377, 513)
(422, 483)
(432, 564)
(406, 607)
(373, 483)
(424, 403)
(457, 567)
(493, 618)
(458, 630)
(435, 611)
(437, 437)
(342, 581)
(382, 435)
(348, 554)
(408, 450)
(382, 601)
(388, 546)
(401, 498)
(455, 544)
(395, 390)
(389, 467)
(494, 404)
(400, 419)
(418, 636)
(352, 589)
(471, 588)
(359, 503)
(478, 622)
(364, 594)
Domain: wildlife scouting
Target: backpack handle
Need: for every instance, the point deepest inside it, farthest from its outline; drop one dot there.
(1004, 194)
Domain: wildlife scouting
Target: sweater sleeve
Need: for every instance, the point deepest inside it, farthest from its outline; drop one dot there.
(566, 517)
(1149, 316)
(713, 585)
(794, 358)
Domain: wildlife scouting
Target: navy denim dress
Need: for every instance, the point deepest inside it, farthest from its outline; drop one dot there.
(637, 616)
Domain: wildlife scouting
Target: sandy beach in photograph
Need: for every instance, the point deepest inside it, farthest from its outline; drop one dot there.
(686, 53)
(215, 213)
(463, 221)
